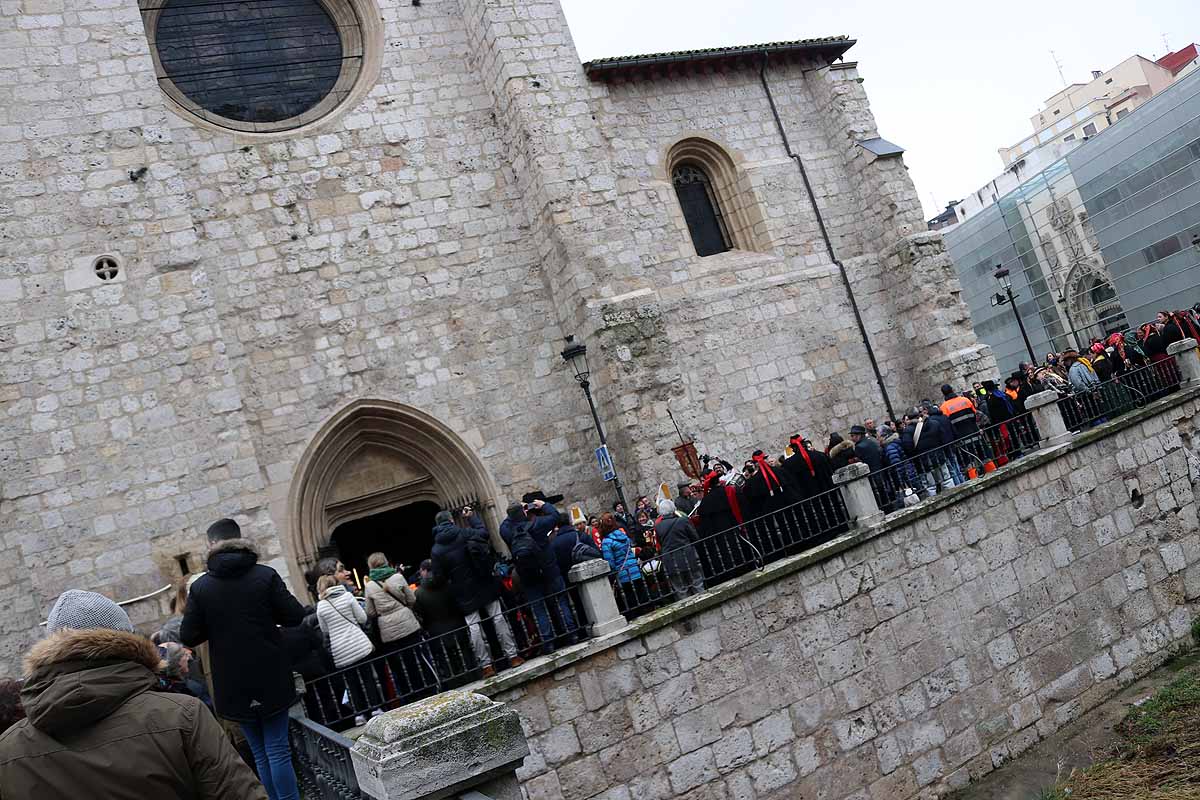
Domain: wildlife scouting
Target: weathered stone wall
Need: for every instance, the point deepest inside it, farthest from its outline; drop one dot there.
(932, 650)
(429, 246)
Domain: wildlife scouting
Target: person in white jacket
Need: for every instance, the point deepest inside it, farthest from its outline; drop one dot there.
(341, 619)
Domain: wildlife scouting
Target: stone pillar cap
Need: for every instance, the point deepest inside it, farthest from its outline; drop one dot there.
(438, 747)
(1041, 399)
(586, 570)
(1182, 346)
(851, 472)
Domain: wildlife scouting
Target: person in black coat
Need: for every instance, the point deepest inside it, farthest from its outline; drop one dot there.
(717, 518)
(940, 456)
(305, 646)
(449, 643)
(770, 497)
(812, 474)
(562, 544)
(464, 559)
(677, 539)
(237, 607)
(868, 452)
(539, 572)
(840, 451)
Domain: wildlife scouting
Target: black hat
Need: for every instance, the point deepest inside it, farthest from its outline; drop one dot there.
(859, 429)
(989, 385)
(1016, 376)
(538, 494)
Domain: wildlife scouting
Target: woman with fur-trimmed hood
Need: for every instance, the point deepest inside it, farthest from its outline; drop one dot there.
(96, 727)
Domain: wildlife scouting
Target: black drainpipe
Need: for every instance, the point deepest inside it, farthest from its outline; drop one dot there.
(812, 199)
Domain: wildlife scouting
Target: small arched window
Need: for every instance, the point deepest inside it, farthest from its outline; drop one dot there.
(701, 210)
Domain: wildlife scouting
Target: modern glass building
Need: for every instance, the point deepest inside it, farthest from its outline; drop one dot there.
(1098, 241)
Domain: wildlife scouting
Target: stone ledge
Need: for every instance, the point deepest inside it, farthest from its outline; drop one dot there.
(675, 612)
(438, 746)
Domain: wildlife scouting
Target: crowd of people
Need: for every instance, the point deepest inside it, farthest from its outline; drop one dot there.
(103, 706)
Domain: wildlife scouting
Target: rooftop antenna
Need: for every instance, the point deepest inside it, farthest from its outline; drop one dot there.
(1165, 45)
(1058, 64)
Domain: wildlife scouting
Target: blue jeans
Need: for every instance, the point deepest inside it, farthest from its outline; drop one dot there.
(956, 472)
(268, 741)
(536, 594)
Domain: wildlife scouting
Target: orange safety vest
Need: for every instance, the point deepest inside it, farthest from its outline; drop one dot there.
(957, 405)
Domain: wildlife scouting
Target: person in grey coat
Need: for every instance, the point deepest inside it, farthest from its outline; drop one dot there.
(677, 539)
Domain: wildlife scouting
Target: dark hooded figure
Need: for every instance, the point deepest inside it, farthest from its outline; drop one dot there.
(770, 495)
(238, 607)
(723, 552)
(824, 515)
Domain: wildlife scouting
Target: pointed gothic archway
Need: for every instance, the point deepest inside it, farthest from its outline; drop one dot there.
(374, 456)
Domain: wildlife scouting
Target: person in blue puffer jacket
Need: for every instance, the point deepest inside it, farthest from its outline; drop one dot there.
(903, 475)
(618, 550)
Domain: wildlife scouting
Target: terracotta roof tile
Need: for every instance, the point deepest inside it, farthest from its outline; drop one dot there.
(831, 47)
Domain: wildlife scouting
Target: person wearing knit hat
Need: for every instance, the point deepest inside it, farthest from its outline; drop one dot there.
(96, 726)
(79, 610)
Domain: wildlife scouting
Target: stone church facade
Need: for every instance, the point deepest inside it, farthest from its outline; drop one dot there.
(305, 321)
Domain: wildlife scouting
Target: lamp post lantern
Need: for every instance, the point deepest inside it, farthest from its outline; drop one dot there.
(575, 354)
(1002, 278)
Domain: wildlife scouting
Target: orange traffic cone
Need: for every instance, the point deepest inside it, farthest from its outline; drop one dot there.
(972, 473)
(989, 466)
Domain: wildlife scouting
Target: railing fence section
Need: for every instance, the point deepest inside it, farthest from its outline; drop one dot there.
(322, 761)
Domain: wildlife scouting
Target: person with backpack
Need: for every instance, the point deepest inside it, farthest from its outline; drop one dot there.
(571, 546)
(526, 530)
(463, 558)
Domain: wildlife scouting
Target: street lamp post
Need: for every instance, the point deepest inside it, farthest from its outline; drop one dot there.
(1002, 278)
(575, 354)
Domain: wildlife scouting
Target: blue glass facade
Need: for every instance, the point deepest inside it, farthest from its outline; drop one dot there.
(1098, 241)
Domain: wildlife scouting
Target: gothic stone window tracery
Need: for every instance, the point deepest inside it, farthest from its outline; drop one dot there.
(263, 66)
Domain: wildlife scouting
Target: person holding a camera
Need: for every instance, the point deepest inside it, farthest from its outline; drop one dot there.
(526, 531)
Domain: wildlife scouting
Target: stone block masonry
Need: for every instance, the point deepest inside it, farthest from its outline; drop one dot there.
(924, 652)
(425, 248)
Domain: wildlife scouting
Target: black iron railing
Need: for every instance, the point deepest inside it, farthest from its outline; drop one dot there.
(652, 577)
(395, 676)
(644, 576)
(1107, 400)
(322, 761)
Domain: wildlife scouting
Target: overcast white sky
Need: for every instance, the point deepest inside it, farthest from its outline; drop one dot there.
(949, 81)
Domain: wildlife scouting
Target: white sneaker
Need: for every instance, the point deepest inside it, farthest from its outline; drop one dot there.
(360, 720)
(377, 713)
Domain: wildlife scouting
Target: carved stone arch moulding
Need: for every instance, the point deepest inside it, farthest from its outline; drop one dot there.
(443, 469)
(1078, 285)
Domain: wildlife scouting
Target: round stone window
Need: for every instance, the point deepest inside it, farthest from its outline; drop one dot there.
(266, 65)
(106, 268)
